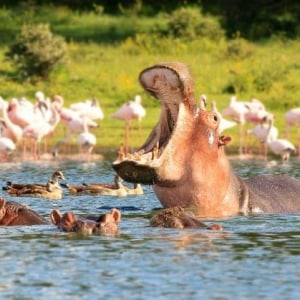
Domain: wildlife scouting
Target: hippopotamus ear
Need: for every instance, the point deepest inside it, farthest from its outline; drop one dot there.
(68, 221)
(2, 207)
(224, 140)
(55, 216)
(116, 214)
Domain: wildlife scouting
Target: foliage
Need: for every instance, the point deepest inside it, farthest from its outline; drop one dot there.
(255, 20)
(189, 23)
(239, 48)
(37, 52)
(133, 10)
(106, 54)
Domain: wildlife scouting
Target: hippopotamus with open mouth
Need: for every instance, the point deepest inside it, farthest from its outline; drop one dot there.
(184, 158)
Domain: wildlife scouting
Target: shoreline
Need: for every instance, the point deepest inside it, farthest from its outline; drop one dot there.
(109, 153)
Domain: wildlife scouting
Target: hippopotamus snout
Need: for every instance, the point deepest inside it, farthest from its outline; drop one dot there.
(106, 224)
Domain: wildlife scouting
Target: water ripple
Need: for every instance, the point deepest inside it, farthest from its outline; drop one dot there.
(255, 257)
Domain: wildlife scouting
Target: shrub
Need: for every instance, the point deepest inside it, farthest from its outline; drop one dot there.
(238, 84)
(152, 44)
(37, 52)
(239, 48)
(189, 23)
(267, 76)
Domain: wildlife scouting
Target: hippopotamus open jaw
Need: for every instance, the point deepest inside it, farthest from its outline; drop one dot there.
(184, 158)
(172, 84)
(184, 150)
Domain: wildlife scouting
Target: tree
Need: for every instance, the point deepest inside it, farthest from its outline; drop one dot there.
(37, 52)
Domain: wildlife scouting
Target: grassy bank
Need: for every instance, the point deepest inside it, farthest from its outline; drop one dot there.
(107, 53)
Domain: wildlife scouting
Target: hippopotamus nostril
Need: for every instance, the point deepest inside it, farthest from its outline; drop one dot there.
(215, 117)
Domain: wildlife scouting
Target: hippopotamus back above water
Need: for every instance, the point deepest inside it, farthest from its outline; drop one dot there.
(184, 158)
(177, 217)
(13, 213)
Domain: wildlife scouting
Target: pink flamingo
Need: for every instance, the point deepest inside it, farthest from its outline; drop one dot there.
(127, 112)
(7, 146)
(66, 114)
(11, 130)
(281, 147)
(86, 141)
(35, 132)
(261, 131)
(88, 108)
(252, 111)
(73, 122)
(42, 107)
(22, 112)
(292, 118)
(19, 114)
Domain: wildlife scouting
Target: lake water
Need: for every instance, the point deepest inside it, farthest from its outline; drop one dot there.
(254, 257)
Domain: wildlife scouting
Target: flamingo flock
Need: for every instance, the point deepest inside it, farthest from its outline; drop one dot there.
(27, 125)
(254, 112)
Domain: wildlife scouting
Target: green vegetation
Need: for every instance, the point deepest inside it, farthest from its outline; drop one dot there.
(106, 54)
(37, 52)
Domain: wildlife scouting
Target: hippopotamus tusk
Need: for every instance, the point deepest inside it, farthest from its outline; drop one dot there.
(185, 161)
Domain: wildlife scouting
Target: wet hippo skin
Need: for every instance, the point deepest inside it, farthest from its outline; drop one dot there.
(184, 156)
(13, 214)
(177, 217)
(106, 224)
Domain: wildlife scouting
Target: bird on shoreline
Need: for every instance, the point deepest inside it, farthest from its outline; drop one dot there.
(282, 147)
(127, 112)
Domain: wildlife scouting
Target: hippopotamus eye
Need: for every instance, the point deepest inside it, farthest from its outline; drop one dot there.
(214, 118)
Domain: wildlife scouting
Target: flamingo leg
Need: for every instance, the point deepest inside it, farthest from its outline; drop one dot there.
(287, 131)
(24, 148)
(241, 138)
(130, 134)
(127, 128)
(46, 144)
(298, 144)
(34, 148)
(264, 150)
(140, 128)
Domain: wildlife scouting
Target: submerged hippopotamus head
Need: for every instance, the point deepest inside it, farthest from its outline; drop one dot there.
(177, 217)
(106, 224)
(183, 157)
(13, 214)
